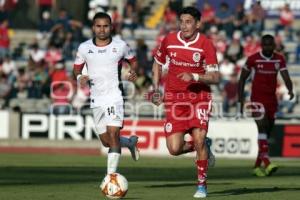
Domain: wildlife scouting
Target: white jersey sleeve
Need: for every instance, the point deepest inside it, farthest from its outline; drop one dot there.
(80, 58)
(128, 52)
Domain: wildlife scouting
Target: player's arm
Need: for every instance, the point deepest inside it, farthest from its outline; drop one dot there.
(77, 69)
(241, 86)
(288, 83)
(156, 74)
(132, 76)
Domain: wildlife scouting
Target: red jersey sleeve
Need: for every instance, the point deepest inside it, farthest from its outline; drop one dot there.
(282, 65)
(249, 64)
(161, 53)
(210, 53)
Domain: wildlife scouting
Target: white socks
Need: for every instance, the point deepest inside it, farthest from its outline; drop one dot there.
(112, 162)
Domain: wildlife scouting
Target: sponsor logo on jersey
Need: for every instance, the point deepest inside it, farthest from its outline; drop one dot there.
(196, 57)
(102, 51)
(114, 50)
(90, 51)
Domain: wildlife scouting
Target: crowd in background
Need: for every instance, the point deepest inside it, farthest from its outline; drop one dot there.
(235, 34)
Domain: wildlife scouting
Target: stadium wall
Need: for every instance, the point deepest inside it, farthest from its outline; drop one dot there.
(231, 139)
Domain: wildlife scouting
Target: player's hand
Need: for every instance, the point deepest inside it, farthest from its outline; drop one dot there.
(132, 76)
(291, 93)
(187, 77)
(83, 79)
(156, 97)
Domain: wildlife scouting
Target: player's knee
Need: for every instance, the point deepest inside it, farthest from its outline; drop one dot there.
(174, 151)
(103, 140)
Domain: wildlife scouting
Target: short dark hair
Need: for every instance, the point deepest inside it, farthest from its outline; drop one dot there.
(101, 15)
(267, 37)
(192, 11)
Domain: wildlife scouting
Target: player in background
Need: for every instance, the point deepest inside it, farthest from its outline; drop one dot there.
(192, 68)
(103, 56)
(265, 65)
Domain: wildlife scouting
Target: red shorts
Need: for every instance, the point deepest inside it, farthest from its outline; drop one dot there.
(263, 108)
(181, 116)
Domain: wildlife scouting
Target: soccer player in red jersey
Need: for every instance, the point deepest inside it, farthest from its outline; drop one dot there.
(192, 68)
(265, 64)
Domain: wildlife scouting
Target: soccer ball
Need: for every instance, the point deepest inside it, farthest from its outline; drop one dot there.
(114, 186)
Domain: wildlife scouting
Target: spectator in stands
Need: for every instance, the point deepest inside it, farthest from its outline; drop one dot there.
(36, 55)
(142, 56)
(4, 39)
(239, 17)
(298, 48)
(5, 89)
(45, 26)
(9, 69)
(230, 93)
(130, 18)
(53, 55)
(45, 6)
(234, 51)
(251, 45)
(286, 21)
(61, 98)
(142, 83)
(224, 19)
(208, 17)
(284, 101)
(255, 19)
(38, 83)
(20, 88)
(227, 69)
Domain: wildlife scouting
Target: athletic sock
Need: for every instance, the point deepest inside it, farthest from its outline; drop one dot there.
(263, 149)
(113, 159)
(202, 166)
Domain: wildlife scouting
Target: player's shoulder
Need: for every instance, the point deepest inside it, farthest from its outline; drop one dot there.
(118, 41)
(278, 55)
(172, 35)
(255, 56)
(86, 44)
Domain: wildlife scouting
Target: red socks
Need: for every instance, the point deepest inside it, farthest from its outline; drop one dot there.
(202, 166)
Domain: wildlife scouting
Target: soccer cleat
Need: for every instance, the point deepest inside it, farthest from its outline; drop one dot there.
(135, 154)
(257, 171)
(201, 192)
(211, 156)
(270, 169)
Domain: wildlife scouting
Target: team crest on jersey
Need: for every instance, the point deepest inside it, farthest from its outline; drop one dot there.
(277, 65)
(114, 50)
(168, 127)
(196, 57)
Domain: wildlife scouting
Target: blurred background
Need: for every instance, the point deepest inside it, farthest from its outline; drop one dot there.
(39, 98)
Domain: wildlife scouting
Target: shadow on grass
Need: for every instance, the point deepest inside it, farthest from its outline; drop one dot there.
(242, 191)
(172, 185)
(77, 175)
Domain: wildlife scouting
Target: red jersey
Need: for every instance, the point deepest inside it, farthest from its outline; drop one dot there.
(185, 56)
(265, 75)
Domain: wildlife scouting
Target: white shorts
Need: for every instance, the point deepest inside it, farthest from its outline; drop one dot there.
(110, 114)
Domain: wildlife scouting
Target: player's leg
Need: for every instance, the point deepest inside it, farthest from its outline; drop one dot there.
(131, 144)
(263, 148)
(114, 151)
(271, 167)
(176, 144)
(199, 135)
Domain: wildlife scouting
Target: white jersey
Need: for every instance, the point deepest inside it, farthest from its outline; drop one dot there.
(103, 67)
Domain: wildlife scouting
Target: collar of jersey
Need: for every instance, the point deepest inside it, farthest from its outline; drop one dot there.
(186, 44)
(264, 57)
(94, 42)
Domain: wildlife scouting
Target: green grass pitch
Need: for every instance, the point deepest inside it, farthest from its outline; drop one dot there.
(70, 177)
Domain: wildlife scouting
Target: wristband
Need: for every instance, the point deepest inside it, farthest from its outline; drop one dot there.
(196, 77)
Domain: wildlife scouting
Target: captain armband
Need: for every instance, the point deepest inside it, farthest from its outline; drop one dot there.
(212, 68)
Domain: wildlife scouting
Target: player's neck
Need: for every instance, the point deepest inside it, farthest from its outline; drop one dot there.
(267, 55)
(101, 43)
(193, 37)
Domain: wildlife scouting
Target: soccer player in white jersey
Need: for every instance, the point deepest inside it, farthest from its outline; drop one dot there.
(103, 56)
